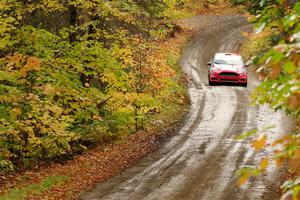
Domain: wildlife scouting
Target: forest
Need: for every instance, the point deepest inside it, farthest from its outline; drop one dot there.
(76, 73)
(275, 52)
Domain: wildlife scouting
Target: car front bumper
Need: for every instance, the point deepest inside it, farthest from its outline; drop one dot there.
(227, 76)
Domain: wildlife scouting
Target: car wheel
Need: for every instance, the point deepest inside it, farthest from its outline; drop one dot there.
(209, 82)
(244, 84)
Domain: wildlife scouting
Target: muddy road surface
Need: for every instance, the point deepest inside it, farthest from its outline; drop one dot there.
(200, 161)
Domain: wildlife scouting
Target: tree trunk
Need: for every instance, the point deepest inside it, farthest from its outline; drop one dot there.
(72, 22)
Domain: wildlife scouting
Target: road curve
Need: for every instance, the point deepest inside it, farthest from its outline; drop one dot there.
(200, 161)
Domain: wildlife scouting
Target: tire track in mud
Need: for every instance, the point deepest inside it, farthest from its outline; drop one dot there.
(166, 169)
(193, 188)
(163, 194)
(200, 161)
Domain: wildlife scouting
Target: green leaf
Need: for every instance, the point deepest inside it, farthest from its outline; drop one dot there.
(247, 134)
(289, 67)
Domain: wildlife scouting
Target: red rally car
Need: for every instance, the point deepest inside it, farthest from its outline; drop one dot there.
(227, 67)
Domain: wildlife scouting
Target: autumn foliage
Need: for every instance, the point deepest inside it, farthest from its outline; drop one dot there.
(277, 61)
(75, 73)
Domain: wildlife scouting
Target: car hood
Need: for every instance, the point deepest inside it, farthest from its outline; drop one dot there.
(234, 68)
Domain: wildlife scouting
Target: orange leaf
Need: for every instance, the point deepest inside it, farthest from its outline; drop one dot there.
(279, 161)
(259, 143)
(297, 152)
(33, 64)
(264, 164)
(282, 140)
(294, 101)
(243, 179)
(276, 68)
(294, 163)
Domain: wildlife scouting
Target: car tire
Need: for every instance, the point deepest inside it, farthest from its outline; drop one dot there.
(244, 84)
(209, 82)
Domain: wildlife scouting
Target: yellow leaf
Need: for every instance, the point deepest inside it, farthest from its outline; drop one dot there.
(264, 164)
(97, 117)
(15, 61)
(48, 90)
(259, 143)
(56, 110)
(14, 113)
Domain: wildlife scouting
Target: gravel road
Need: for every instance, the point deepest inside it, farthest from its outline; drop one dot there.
(200, 161)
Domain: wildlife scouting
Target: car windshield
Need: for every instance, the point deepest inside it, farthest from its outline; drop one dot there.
(229, 61)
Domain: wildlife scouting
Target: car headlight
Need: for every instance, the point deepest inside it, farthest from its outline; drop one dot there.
(216, 70)
(243, 71)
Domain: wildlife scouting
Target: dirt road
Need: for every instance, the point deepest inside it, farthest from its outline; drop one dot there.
(201, 160)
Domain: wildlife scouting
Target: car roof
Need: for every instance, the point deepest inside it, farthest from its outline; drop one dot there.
(227, 55)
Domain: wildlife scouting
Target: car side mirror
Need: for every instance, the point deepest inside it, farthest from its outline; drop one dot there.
(209, 64)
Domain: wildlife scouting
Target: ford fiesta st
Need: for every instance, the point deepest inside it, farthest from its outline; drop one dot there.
(227, 67)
